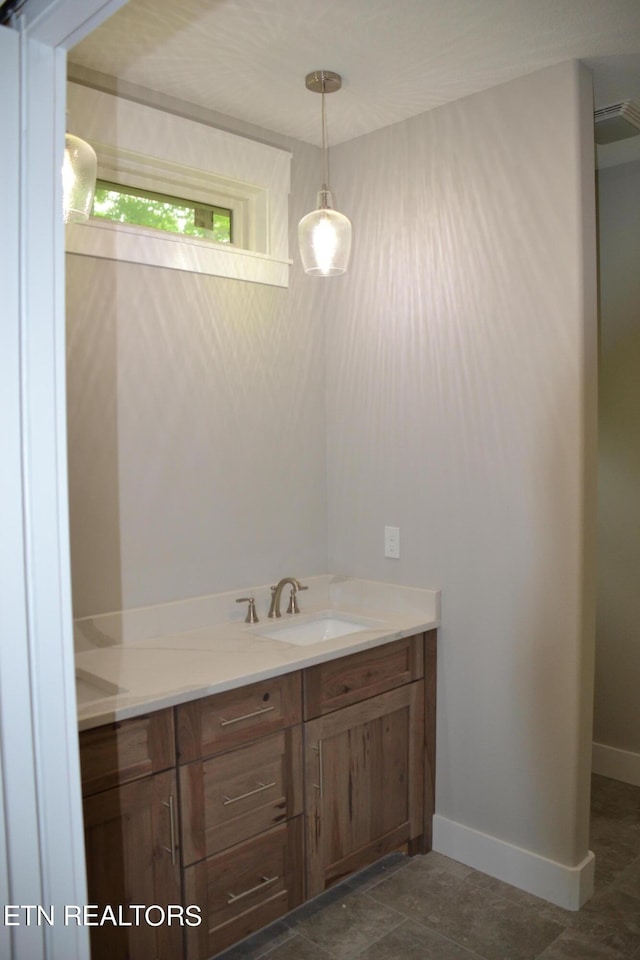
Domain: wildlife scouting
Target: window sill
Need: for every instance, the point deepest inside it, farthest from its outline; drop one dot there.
(116, 241)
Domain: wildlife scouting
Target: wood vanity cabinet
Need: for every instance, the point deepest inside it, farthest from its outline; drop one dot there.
(364, 761)
(285, 786)
(131, 839)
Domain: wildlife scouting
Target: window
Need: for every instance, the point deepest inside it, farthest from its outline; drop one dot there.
(178, 193)
(124, 204)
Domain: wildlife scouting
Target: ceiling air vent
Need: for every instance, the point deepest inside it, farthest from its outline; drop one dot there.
(617, 122)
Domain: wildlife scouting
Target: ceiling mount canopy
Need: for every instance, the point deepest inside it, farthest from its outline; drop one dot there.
(324, 235)
(323, 81)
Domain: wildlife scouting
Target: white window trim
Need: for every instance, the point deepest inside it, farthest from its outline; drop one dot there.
(141, 145)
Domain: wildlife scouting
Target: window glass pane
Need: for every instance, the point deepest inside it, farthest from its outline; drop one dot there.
(173, 214)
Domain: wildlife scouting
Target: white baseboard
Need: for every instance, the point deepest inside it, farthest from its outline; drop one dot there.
(567, 887)
(617, 764)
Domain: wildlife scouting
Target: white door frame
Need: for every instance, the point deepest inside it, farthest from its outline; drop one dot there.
(41, 841)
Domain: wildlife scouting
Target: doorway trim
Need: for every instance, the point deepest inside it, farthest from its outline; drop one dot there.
(41, 839)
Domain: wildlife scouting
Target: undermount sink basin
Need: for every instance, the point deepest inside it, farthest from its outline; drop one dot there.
(89, 687)
(325, 627)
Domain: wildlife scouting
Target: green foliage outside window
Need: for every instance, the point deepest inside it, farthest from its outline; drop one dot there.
(172, 214)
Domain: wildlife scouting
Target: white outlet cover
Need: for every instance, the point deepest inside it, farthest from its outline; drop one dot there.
(392, 542)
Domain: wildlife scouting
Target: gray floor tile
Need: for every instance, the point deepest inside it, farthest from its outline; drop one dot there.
(615, 844)
(435, 863)
(260, 943)
(412, 941)
(463, 912)
(378, 872)
(320, 903)
(521, 897)
(611, 917)
(629, 880)
(298, 947)
(348, 925)
(570, 946)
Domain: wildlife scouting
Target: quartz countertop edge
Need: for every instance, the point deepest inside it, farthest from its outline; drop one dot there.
(167, 671)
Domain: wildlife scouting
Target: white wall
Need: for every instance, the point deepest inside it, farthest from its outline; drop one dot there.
(617, 704)
(196, 426)
(461, 388)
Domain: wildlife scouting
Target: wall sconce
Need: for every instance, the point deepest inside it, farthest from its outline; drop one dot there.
(79, 169)
(324, 235)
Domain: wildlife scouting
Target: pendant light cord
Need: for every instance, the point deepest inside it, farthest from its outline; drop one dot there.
(325, 150)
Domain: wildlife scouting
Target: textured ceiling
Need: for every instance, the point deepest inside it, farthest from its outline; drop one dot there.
(398, 58)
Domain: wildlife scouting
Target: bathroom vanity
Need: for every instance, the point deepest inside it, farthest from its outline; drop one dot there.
(248, 801)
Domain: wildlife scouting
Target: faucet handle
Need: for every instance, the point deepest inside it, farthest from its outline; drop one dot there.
(293, 602)
(251, 616)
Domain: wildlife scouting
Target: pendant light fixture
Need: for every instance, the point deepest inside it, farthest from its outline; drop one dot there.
(79, 169)
(324, 235)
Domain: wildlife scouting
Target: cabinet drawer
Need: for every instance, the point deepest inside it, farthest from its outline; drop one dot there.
(339, 683)
(244, 888)
(231, 797)
(120, 752)
(226, 720)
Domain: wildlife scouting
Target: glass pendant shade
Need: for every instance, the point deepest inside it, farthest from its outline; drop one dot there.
(79, 169)
(324, 238)
(324, 235)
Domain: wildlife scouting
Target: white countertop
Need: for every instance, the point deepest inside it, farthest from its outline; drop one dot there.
(173, 667)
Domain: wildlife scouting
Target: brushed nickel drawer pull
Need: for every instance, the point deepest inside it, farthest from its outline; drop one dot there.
(264, 881)
(247, 716)
(261, 786)
(320, 785)
(172, 828)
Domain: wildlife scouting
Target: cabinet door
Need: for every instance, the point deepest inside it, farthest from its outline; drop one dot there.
(364, 783)
(133, 858)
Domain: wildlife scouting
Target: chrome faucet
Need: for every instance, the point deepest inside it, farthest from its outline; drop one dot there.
(276, 593)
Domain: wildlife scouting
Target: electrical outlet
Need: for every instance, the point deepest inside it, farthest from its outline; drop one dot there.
(392, 542)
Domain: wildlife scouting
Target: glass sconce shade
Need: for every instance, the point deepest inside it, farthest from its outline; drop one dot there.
(324, 238)
(79, 169)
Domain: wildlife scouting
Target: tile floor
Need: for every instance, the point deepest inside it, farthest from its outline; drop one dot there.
(432, 908)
